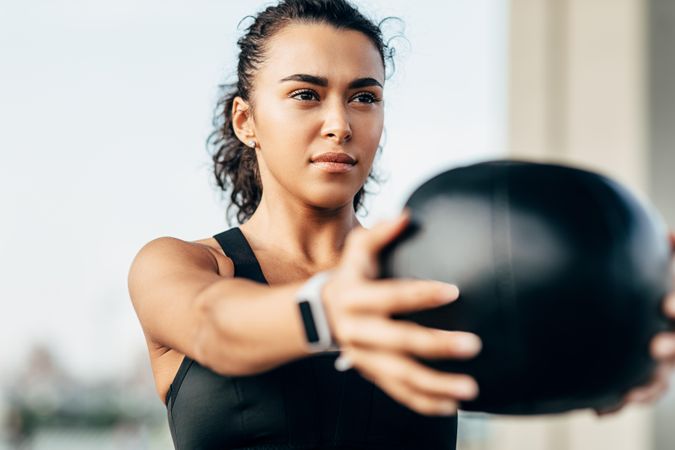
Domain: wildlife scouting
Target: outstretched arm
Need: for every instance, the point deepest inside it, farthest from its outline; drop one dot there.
(187, 303)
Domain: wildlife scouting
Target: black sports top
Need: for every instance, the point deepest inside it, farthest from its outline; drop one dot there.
(305, 404)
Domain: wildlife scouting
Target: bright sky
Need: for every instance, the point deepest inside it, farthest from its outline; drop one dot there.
(104, 110)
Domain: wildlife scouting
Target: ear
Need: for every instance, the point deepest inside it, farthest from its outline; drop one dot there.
(242, 120)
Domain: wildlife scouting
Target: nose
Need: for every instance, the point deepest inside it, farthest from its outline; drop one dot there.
(336, 124)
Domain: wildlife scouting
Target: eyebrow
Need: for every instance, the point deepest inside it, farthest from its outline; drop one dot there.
(323, 81)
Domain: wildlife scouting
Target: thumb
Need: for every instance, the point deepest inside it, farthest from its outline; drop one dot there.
(363, 245)
(385, 231)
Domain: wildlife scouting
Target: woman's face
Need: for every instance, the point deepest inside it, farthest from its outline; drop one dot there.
(319, 90)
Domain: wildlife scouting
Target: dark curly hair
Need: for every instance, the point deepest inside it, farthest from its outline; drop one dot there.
(236, 168)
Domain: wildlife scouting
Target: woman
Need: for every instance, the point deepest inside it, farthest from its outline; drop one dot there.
(228, 345)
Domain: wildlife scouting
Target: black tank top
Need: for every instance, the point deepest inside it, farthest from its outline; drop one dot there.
(304, 404)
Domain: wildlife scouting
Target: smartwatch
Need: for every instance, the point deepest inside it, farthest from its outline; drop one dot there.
(317, 330)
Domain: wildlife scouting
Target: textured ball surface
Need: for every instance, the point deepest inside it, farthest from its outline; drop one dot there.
(561, 273)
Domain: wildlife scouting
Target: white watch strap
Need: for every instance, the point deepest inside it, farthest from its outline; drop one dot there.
(313, 314)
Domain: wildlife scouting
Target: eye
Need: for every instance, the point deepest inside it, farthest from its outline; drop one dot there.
(367, 97)
(304, 94)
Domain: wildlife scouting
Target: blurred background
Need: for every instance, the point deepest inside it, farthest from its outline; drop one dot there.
(105, 108)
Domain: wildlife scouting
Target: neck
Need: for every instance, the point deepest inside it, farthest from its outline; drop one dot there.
(313, 237)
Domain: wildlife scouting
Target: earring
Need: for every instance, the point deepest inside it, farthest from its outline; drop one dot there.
(251, 143)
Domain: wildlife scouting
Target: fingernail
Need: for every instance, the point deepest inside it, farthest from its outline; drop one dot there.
(469, 389)
(448, 293)
(469, 344)
(403, 216)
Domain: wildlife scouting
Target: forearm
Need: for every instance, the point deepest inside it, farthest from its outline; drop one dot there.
(247, 327)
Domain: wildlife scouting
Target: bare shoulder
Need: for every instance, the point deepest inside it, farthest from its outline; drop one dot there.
(170, 253)
(164, 281)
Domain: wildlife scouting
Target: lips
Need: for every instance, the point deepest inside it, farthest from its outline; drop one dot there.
(334, 157)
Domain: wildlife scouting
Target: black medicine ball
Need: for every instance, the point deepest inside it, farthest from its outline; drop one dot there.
(561, 273)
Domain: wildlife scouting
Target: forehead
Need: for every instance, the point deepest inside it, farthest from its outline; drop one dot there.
(323, 50)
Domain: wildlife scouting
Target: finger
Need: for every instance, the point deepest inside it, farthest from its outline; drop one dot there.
(386, 230)
(367, 363)
(662, 347)
(420, 379)
(409, 337)
(438, 383)
(610, 409)
(657, 385)
(668, 306)
(671, 235)
(375, 238)
(419, 402)
(400, 295)
(362, 245)
(647, 394)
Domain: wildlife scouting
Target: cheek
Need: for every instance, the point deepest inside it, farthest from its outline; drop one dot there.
(369, 125)
(371, 132)
(284, 139)
(281, 129)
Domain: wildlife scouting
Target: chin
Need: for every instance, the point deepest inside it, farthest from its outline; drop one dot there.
(331, 200)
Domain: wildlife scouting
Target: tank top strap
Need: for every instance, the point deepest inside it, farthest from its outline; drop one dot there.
(236, 247)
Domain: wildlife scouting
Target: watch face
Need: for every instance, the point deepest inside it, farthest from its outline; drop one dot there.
(308, 321)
